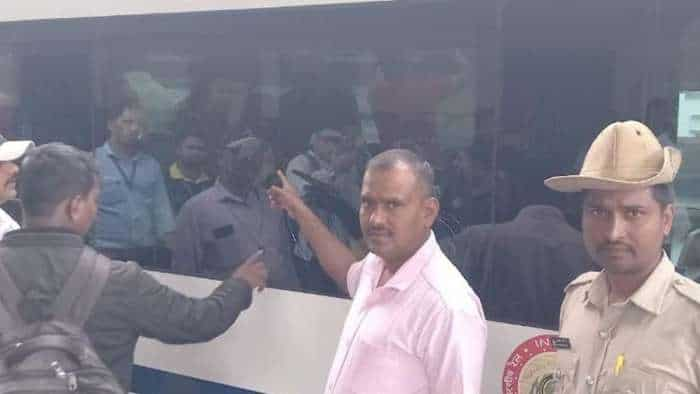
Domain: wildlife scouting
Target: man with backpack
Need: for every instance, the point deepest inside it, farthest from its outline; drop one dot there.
(59, 186)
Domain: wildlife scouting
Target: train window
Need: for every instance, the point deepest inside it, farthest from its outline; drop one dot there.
(497, 99)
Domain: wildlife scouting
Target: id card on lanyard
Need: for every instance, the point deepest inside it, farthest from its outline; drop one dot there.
(128, 181)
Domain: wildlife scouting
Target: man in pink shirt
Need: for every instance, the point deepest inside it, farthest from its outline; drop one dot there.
(415, 325)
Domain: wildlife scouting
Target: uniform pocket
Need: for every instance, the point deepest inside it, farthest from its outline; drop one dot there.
(566, 372)
(112, 192)
(633, 381)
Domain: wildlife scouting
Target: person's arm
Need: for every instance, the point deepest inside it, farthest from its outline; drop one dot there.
(157, 311)
(334, 256)
(455, 352)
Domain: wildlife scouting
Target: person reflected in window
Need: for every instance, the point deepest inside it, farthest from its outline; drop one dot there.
(320, 96)
(472, 186)
(233, 218)
(134, 219)
(188, 176)
(333, 160)
(215, 108)
(317, 161)
(519, 268)
(324, 176)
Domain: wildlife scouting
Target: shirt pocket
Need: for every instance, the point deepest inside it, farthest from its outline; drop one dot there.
(379, 370)
(566, 372)
(145, 188)
(112, 192)
(633, 380)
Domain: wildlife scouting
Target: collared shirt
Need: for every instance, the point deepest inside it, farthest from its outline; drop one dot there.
(216, 231)
(520, 268)
(7, 224)
(648, 344)
(421, 332)
(182, 188)
(134, 209)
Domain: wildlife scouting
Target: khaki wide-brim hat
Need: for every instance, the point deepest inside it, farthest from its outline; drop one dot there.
(625, 155)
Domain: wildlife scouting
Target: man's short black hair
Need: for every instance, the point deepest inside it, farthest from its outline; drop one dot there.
(419, 166)
(180, 138)
(117, 105)
(53, 173)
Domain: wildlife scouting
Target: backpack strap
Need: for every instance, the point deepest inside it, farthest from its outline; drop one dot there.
(82, 289)
(10, 296)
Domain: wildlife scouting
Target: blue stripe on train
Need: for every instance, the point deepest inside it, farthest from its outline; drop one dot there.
(154, 381)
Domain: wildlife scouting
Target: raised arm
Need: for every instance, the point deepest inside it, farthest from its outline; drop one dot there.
(334, 256)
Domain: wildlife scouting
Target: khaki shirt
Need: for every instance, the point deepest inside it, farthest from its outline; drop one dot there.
(648, 344)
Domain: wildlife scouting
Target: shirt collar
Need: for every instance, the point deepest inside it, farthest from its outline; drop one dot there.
(649, 297)
(176, 173)
(45, 236)
(223, 194)
(110, 152)
(411, 269)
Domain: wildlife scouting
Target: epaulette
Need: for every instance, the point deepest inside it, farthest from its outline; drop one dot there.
(582, 280)
(687, 288)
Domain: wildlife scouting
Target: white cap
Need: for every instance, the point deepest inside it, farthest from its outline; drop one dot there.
(13, 150)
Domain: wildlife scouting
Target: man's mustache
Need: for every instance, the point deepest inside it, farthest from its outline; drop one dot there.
(615, 246)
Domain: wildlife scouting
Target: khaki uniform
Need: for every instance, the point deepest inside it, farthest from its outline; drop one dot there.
(648, 344)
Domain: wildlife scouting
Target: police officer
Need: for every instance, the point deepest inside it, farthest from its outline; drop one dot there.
(634, 327)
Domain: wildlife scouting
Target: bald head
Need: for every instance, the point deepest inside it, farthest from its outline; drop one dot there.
(420, 168)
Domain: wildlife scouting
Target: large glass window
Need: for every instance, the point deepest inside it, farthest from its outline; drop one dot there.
(496, 95)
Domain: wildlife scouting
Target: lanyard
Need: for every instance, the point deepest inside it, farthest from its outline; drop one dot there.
(129, 182)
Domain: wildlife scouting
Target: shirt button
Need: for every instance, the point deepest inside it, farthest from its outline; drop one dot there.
(590, 380)
(603, 335)
(557, 374)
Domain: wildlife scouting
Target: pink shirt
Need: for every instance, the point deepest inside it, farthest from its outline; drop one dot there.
(422, 332)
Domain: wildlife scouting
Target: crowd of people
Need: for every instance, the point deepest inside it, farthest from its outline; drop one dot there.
(415, 324)
(420, 238)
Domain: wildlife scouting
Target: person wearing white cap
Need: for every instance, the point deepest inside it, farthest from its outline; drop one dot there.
(10, 153)
(633, 327)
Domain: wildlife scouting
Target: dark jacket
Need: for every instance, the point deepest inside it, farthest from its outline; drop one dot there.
(132, 304)
(520, 268)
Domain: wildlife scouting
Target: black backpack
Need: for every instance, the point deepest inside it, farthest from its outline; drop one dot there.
(55, 356)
